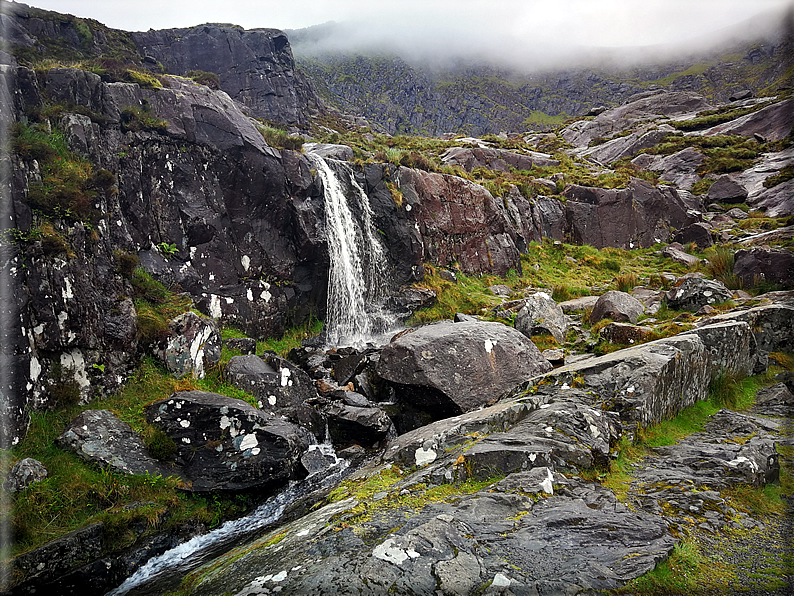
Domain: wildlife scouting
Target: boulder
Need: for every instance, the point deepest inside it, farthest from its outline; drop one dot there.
(699, 233)
(227, 444)
(501, 290)
(555, 356)
(278, 385)
(408, 300)
(769, 265)
(541, 315)
(695, 293)
(625, 333)
(194, 346)
(578, 304)
(328, 150)
(449, 368)
(726, 190)
(675, 253)
(25, 472)
(737, 213)
(354, 425)
(731, 346)
(99, 437)
(618, 306)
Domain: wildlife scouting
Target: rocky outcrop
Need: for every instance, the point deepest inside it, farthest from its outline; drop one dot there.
(448, 368)
(255, 67)
(227, 444)
(645, 106)
(694, 293)
(773, 123)
(495, 159)
(638, 216)
(680, 168)
(618, 306)
(459, 222)
(194, 346)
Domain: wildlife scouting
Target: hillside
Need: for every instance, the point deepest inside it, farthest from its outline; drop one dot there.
(538, 362)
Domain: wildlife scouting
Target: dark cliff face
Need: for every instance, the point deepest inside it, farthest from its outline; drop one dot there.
(255, 67)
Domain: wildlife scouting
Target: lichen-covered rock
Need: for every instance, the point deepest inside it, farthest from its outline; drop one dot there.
(694, 293)
(25, 472)
(194, 346)
(625, 333)
(772, 325)
(227, 444)
(246, 345)
(618, 306)
(448, 368)
(99, 437)
(541, 315)
(731, 345)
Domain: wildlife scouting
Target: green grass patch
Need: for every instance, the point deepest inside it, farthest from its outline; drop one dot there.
(785, 174)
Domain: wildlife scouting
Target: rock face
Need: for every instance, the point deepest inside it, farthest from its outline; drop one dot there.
(448, 368)
(470, 229)
(541, 315)
(97, 436)
(638, 216)
(254, 67)
(618, 306)
(226, 444)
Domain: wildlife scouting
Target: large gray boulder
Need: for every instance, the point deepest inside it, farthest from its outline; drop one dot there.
(449, 368)
(227, 444)
(618, 306)
(541, 315)
(696, 293)
(99, 437)
(726, 190)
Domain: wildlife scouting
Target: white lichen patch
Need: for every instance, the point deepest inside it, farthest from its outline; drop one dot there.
(250, 295)
(184, 423)
(285, 374)
(215, 307)
(500, 581)
(489, 345)
(425, 456)
(388, 551)
(249, 442)
(67, 289)
(548, 484)
(246, 262)
(271, 400)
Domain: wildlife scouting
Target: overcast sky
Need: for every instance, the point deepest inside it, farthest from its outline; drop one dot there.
(449, 26)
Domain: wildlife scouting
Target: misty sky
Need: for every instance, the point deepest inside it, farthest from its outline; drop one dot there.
(450, 26)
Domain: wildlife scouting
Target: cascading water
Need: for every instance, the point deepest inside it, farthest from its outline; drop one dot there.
(357, 280)
(164, 573)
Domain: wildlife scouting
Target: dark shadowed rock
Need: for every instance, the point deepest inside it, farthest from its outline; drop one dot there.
(699, 233)
(193, 347)
(408, 300)
(25, 472)
(726, 190)
(695, 293)
(98, 437)
(758, 264)
(246, 345)
(540, 315)
(354, 425)
(451, 367)
(618, 306)
(227, 444)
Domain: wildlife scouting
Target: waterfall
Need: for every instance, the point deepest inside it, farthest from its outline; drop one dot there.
(358, 277)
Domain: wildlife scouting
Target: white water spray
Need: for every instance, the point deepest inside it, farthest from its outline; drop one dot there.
(357, 280)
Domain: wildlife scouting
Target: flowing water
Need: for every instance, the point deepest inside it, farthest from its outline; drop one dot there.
(165, 572)
(358, 277)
